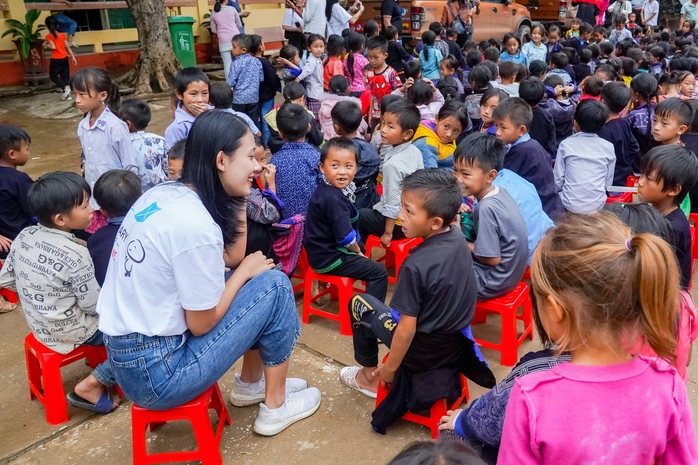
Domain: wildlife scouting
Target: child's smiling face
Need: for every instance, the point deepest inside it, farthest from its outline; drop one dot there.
(512, 46)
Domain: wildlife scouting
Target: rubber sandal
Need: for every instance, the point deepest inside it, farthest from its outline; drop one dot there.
(348, 377)
(105, 404)
(5, 306)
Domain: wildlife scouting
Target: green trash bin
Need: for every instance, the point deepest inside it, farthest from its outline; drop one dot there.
(183, 40)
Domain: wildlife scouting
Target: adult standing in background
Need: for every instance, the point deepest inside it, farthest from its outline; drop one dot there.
(226, 23)
(293, 25)
(313, 14)
(457, 14)
(689, 12)
(338, 19)
(243, 14)
(650, 13)
(391, 14)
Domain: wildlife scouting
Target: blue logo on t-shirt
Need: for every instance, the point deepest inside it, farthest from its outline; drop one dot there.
(143, 215)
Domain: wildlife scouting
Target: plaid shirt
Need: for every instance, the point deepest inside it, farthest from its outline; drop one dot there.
(244, 76)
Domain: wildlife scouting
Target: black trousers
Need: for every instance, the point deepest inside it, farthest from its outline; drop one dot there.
(59, 72)
(251, 110)
(373, 222)
(376, 323)
(365, 269)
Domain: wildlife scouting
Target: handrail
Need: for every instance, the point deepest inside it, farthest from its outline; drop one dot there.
(99, 5)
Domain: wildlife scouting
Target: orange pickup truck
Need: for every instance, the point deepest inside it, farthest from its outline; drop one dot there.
(496, 18)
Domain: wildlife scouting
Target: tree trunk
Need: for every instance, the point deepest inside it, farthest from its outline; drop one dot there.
(157, 65)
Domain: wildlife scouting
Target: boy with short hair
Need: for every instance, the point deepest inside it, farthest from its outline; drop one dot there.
(500, 250)
(585, 162)
(175, 160)
(221, 98)
(398, 125)
(581, 42)
(191, 89)
(668, 173)
(453, 48)
(492, 54)
(382, 79)
(433, 304)
(346, 119)
(115, 191)
(244, 77)
(397, 55)
(525, 156)
(55, 279)
(558, 63)
(149, 147)
(620, 32)
(618, 131)
(583, 69)
(297, 163)
(507, 74)
(672, 118)
(542, 129)
(268, 87)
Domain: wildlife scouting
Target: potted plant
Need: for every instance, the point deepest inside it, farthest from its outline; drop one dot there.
(30, 46)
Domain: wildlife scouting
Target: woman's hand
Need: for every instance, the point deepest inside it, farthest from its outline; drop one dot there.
(255, 264)
(244, 14)
(5, 244)
(448, 420)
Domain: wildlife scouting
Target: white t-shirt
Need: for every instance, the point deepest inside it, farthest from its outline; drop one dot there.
(291, 18)
(339, 20)
(648, 8)
(167, 256)
(314, 20)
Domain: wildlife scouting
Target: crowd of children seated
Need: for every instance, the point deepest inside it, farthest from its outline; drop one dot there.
(496, 156)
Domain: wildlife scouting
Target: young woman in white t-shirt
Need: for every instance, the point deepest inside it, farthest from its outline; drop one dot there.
(173, 323)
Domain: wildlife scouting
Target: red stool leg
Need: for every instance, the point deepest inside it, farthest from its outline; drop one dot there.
(54, 396)
(508, 339)
(345, 295)
(437, 411)
(528, 317)
(96, 355)
(33, 371)
(138, 426)
(307, 298)
(209, 451)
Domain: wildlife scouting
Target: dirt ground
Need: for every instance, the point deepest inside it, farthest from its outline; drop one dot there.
(338, 433)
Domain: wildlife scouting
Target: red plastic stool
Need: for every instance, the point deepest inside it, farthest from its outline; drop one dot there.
(507, 306)
(11, 296)
(631, 181)
(693, 218)
(527, 274)
(625, 197)
(340, 288)
(44, 374)
(301, 268)
(196, 412)
(437, 411)
(395, 254)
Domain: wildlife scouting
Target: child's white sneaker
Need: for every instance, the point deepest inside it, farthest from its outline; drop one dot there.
(298, 405)
(66, 93)
(244, 394)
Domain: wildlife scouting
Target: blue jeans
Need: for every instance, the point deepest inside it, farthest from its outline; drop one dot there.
(101, 372)
(66, 24)
(265, 108)
(162, 372)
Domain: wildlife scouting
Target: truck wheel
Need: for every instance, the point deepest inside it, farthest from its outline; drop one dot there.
(524, 32)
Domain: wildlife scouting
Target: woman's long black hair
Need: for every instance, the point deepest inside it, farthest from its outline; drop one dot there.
(212, 132)
(52, 26)
(328, 8)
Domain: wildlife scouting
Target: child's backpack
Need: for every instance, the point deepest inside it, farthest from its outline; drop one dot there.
(288, 247)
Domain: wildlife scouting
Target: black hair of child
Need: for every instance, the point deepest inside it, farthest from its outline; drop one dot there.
(628, 66)
(177, 150)
(338, 85)
(420, 93)
(407, 114)
(338, 143)
(370, 28)
(292, 121)
(606, 48)
(480, 77)
(616, 96)
(675, 165)
(293, 91)
(256, 43)
(354, 43)
(258, 142)
(95, 79)
(389, 100)
(335, 46)
(57, 193)
(472, 58)
(455, 109)
(501, 94)
(559, 60)
(412, 69)
(188, 75)
(516, 109)
(492, 66)
(481, 148)
(508, 69)
(593, 85)
(595, 51)
(377, 42)
(448, 88)
(347, 115)
(390, 32)
(676, 109)
(522, 73)
(591, 115)
(244, 41)
(429, 39)
(288, 52)
(345, 32)
(51, 24)
(571, 54)
(641, 218)
(492, 54)
(621, 49)
(220, 95)
(437, 452)
(483, 45)
(495, 43)
(116, 191)
(608, 72)
(12, 138)
(645, 85)
(585, 28)
(694, 124)
(451, 32)
(439, 190)
(538, 68)
(679, 64)
(585, 56)
(436, 27)
(469, 46)
(136, 111)
(636, 54)
(532, 90)
(553, 80)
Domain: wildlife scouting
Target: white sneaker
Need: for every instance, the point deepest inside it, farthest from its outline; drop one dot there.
(66, 93)
(298, 406)
(244, 394)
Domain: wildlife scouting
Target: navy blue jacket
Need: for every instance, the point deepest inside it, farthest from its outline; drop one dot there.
(619, 132)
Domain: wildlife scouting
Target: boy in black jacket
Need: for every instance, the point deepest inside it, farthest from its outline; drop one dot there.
(268, 87)
(525, 156)
(618, 131)
(542, 129)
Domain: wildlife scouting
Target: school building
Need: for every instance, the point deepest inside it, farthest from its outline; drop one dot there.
(107, 35)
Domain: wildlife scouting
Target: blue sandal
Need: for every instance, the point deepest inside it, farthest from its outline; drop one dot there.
(105, 404)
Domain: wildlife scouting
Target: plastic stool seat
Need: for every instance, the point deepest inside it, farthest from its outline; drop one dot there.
(196, 412)
(395, 255)
(437, 410)
(507, 306)
(44, 374)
